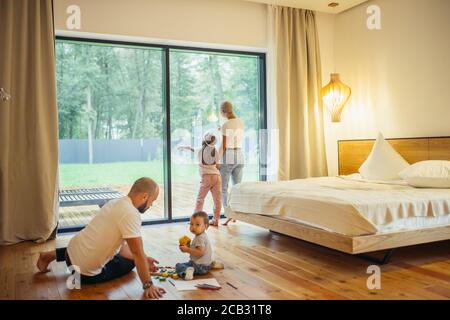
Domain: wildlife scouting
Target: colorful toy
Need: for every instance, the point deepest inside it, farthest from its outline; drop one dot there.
(156, 274)
(185, 241)
(165, 272)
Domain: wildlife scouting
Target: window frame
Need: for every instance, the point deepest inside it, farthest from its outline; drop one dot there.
(166, 49)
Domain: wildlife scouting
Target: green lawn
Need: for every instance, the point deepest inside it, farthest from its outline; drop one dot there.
(119, 173)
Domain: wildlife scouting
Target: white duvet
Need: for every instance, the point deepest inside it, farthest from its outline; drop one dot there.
(347, 205)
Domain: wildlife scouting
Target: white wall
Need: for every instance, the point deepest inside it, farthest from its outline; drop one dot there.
(223, 22)
(399, 75)
(229, 22)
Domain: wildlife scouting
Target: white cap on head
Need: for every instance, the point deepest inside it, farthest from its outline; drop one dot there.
(208, 138)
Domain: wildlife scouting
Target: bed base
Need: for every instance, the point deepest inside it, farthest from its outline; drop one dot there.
(356, 245)
(381, 261)
(385, 259)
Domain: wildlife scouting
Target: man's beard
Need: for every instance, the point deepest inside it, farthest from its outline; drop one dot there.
(142, 208)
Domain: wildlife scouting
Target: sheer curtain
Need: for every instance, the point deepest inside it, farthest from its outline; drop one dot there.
(28, 122)
(295, 75)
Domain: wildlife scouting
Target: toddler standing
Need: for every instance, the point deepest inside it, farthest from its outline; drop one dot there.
(211, 181)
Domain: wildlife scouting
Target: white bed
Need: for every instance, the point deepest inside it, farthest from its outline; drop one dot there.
(348, 213)
(347, 205)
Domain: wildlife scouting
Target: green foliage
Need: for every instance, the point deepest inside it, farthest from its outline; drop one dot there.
(127, 89)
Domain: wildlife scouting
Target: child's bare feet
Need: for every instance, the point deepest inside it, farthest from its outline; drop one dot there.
(228, 221)
(44, 260)
(214, 223)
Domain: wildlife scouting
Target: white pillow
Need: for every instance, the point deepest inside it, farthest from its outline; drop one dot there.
(383, 163)
(428, 174)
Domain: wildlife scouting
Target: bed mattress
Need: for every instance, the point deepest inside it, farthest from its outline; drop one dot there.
(347, 205)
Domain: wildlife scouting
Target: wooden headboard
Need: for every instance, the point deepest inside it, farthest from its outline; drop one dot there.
(352, 153)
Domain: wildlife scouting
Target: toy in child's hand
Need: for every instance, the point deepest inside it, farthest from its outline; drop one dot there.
(217, 265)
(185, 241)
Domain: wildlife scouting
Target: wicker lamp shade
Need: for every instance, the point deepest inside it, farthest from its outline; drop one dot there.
(335, 95)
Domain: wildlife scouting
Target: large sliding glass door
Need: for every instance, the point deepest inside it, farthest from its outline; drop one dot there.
(110, 100)
(115, 100)
(200, 81)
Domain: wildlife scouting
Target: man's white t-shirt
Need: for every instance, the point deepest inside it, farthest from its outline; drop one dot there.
(103, 237)
(233, 129)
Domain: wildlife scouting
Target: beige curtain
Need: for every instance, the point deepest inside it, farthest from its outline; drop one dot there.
(28, 122)
(296, 75)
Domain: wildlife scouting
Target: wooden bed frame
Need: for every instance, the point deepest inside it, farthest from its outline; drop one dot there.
(351, 154)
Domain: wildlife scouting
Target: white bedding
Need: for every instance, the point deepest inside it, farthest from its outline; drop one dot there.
(347, 205)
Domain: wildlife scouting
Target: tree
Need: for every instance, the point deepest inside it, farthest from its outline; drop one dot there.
(126, 89)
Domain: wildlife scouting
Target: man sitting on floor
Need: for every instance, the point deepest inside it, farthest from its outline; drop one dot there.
(111, 244)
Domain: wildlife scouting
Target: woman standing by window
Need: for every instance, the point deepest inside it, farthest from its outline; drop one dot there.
(230, 151)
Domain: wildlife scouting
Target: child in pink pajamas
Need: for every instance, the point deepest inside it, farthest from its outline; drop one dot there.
(211, 181)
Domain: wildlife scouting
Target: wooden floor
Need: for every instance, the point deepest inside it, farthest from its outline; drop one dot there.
(261, 265)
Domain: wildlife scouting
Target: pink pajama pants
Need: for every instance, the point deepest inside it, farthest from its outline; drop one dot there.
(213, 183)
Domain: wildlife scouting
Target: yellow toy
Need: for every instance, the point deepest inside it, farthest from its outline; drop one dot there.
(185, 241)
(156, 274)
(166, 272)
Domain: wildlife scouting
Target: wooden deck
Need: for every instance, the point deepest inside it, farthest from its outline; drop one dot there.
(183, 202)
(261, 265)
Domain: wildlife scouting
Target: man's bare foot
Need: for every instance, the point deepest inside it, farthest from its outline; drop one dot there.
(44, 260)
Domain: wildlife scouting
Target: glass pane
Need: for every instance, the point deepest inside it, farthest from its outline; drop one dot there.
(199, 82)
(110, 101)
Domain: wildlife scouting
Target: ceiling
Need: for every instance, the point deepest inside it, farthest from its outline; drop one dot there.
(317, 5)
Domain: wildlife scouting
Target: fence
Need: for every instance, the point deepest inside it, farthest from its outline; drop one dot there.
(104, 151)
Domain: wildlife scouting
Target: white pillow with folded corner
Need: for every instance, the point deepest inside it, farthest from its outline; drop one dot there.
(383, 163)
(428, 174)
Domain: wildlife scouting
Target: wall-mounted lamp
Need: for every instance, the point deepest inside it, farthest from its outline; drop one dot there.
(4, 96)
(335, 95)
